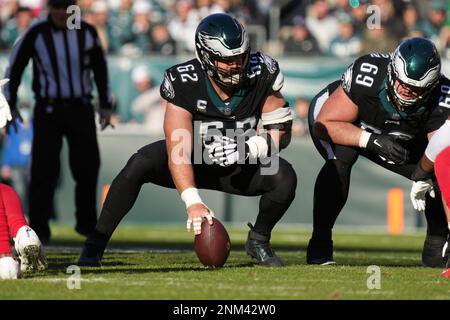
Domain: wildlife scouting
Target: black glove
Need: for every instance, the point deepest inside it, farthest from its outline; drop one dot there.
(105, 118)
(15, 114)
(385, 146)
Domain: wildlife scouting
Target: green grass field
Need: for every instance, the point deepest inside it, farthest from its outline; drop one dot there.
(146, 262)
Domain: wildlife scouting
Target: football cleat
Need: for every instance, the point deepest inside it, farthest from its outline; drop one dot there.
(258, 247)
(30, 250)
(320, 253)
(89, 258)
(432, 254)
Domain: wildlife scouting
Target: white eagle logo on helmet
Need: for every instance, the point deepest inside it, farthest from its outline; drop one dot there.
(218, 47)
(400, 69)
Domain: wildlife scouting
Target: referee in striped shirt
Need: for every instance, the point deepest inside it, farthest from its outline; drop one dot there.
(63, 60)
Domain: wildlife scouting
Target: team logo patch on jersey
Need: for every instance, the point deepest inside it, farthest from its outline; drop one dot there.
(270, 63)
(346, 79)
(167, 88)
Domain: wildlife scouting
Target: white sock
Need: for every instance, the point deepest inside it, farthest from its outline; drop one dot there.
(449, 226)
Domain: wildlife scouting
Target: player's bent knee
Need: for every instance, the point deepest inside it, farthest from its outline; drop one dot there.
(342, 167)
(136, 167)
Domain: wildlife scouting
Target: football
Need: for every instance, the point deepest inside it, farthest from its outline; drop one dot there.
(213, 245)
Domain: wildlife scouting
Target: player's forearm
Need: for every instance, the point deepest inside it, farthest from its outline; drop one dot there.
(280, 140)
(183, 178)
(182, 175)
(342, 133)
(426, 164)
(178, 132)
(275, 136)
(180, 166)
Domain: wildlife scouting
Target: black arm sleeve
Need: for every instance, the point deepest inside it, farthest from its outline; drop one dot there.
(100, 69)
(20, 56)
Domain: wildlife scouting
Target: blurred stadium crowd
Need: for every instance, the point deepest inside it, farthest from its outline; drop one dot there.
(280, 28)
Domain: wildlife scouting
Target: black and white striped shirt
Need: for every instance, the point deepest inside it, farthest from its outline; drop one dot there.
(62, 63)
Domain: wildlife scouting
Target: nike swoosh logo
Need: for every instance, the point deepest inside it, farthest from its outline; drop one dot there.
(376, 142)
(172, 78)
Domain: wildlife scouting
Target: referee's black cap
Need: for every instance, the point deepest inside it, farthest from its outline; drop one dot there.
(61, 2)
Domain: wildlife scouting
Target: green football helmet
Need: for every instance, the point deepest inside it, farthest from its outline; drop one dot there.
(220, 37)
(416, 65)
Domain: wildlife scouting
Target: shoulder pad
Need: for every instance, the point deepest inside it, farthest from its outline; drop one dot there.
(271, 64)
(278, 83)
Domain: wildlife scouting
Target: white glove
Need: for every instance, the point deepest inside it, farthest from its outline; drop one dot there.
(418, 191)
(9, 268)
(5, 112)
(224, 151)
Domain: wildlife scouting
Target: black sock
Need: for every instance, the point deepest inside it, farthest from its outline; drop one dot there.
(330, 194)
(435, 215)
(270, 212)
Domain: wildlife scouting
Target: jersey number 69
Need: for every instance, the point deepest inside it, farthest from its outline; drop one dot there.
(365, 79)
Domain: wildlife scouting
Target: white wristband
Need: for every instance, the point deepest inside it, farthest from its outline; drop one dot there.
(364, 139)
(190, 196)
